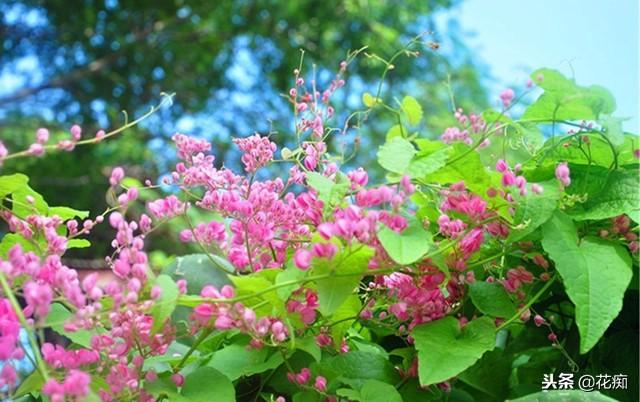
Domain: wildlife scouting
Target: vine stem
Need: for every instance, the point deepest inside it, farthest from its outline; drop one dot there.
(529, 303)
(23, 321)
(191, 301)
(167, 98)
(183, 361)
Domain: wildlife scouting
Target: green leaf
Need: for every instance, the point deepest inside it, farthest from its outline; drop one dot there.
(237, 360)
(378, 391)
(257, 283)
(163, 386)
(290, 274)
(595, 273)
(412, 110)
(368, 100)
(329, 191)
(350, 394)
(347, 265)
(56, 319)
(22, 209)
(491, 299)
(309, 345)
(490, 374)
(358, 366)
(78, 243)
(565, 396)
(12, 183)
(33, 383)
(395, 155)
(166, 303)
(467, 166)
(307, 396)
(610, 193)
(445, 350)
(350, 308)
(207, 384)
(613, 129)
(534, 209)
(66, 213)
(423, 166)
(408, 246)
(11, 239)
(322, 184)
(199, 270)
(564, 100)
(395, 131)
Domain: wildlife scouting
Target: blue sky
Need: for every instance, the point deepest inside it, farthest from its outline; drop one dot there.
(595, 41)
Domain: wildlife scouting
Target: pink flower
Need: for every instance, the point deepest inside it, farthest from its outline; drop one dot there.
(325, 250)
(508, 178)
(320, 383)
(302, 258)
(77, 383)
(76, 132)
(358, 178)
(507, 96)
(472, 242)
(303, 376)
(36, 149)
(537, 188)
(166, 207)
(38, 297)
(3, 151)
(562, 174)
(177, 379)
(501, 166)
(258, 151)
(117, 174)
(42, 135)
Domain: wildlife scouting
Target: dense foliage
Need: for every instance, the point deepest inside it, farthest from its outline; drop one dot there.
(499, 253)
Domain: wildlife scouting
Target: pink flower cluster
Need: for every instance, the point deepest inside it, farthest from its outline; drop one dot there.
(307, 308)
(419, 299)
(313, 108)
(10, 348)
(257, 151)
(224, 315)
(621, 227)
(469, 125)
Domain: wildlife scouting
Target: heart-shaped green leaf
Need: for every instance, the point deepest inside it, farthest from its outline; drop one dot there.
(445, 349)
(595, 273)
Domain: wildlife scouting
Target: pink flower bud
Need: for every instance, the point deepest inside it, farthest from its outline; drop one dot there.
(536, 188)
(302, 259)
(501, 166)
(156, 291)
(36, 149)
(3, 151)
(117, 174)
(42, 135)
(177, 379)
(76, 132)
(320, 383)
(562, 174)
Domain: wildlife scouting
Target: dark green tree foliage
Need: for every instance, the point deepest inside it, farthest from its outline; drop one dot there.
(126, 52)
